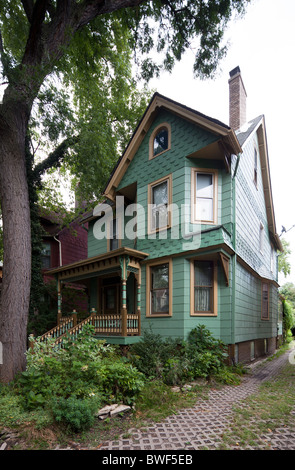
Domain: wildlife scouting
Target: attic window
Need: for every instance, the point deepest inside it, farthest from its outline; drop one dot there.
(160, 140)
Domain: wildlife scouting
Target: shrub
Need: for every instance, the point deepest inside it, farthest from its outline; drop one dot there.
(83, 368)
(76, 414)
(152, 352)
(175, 361)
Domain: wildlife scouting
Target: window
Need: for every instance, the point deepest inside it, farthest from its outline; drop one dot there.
(110, 299)
(203, 288)
(255, 167)
(160, 140)
(265, 301)
(159, 289)
(158, 201)
(114, 241)
(46, 255)
(204, 198)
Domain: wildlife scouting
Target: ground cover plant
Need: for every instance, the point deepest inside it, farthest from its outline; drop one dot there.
(74, 381)
(63, 388)
(176, 362)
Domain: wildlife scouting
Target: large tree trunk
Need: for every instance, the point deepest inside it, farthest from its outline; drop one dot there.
(16, 241)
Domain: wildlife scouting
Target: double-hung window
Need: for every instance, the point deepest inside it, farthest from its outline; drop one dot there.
(159, 197)
(159, 288)
(204, 197)
(203, 287)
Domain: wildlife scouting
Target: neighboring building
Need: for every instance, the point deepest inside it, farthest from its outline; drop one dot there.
(62, 244)
(202, 248)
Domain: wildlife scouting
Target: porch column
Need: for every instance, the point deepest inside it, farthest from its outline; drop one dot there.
(138, 282)
(124, 296)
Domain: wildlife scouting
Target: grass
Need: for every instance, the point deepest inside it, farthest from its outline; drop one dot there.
(263, 413)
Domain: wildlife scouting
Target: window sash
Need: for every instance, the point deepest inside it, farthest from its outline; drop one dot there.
(204, 196)
(203, 287)
(159, 210)
(160, 143)
(159, 293)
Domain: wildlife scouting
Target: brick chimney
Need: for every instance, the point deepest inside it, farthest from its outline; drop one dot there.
(237, 99)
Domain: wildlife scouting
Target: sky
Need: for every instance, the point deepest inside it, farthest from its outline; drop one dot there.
(262, 44)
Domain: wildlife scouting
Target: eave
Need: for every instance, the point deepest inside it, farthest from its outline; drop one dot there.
(226, 134)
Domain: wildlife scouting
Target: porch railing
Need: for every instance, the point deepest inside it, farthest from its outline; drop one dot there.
(104, 325)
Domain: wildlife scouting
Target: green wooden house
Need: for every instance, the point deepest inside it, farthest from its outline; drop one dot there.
(186, 233)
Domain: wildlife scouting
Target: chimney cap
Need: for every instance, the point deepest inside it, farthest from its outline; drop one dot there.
(234, 71)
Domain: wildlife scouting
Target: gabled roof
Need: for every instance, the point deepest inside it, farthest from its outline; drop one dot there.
(243, 134)
(246, 130)
(157, 103)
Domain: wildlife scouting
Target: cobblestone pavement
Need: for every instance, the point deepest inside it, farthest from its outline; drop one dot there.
(202, 426)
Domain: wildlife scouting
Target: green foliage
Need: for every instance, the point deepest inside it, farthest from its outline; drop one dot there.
(79, 377)
(288, 319)
(284, 265)
(176, 362)
(76, 414)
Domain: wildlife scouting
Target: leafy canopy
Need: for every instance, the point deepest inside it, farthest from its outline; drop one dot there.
(87, 94)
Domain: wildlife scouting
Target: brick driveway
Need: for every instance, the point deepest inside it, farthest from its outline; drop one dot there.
(201, 427)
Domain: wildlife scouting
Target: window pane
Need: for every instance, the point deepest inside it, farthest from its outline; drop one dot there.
(160, 193)
(114, 242)
(160, 289)
(203, 273)
(204, 185)
(203, 293)
(204, 209)
(160, 301)
(203, 297)
(46, 255)
(161, 141)
(204, 196)
(110, 298)
(160, 202)
(160, 276)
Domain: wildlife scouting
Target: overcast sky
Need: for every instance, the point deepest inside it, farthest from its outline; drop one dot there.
(262, 45)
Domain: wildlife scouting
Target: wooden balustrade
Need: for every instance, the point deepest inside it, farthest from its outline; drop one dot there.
(104, 325)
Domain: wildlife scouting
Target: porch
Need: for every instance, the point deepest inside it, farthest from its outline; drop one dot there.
(113, 283)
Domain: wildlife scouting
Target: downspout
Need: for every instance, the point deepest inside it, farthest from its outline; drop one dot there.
(59, 250)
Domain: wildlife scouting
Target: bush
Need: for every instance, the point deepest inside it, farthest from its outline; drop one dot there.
(151, 354)
(176, 362)
(76, 414)
(83, 369)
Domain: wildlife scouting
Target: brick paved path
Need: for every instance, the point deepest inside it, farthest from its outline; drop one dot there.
(201, 427)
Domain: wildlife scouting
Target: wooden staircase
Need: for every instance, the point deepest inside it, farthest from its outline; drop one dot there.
(104, 325)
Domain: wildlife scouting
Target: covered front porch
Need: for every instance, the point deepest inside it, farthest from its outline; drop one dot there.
(113, 283)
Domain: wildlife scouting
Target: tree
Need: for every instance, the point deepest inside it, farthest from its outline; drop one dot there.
(38, 40)
(284, 265)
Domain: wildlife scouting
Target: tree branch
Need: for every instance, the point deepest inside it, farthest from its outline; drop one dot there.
(56, 157)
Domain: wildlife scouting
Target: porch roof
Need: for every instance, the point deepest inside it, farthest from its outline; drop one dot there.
(96, 265)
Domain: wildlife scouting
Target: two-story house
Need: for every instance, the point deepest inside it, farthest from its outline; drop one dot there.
(186, 233)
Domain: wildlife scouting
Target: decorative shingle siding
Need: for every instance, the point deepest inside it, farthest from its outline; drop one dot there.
(251, 213)
(248, 322)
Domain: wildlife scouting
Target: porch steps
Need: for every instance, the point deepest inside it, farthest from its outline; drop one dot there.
(104, 324)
